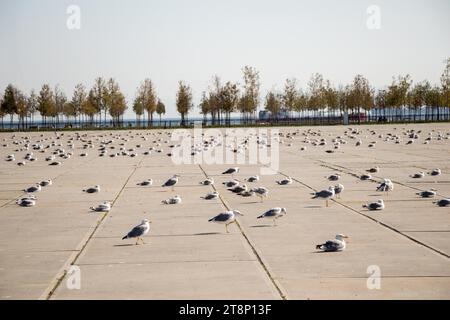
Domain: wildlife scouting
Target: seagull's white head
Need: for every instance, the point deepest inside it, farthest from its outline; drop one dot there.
(237, 212)
(380, 201)
(340, 236)
(145, 221)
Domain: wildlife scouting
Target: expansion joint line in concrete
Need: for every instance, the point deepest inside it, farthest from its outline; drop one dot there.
(72, 259)
(277, 287)
(369, 217)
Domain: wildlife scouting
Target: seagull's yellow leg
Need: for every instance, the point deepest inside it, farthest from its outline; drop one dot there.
(137, 241)
(142, 240)
(274, 222)
(327, 203)
(226, 228)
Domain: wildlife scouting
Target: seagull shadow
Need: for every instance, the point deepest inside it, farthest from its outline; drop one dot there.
(312, 207)
(262, 226)
(206, 233)
(124, 245)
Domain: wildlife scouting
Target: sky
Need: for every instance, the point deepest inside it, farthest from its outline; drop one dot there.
(172, 40)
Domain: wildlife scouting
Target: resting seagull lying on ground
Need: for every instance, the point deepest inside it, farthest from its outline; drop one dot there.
(231, 171)
(147, 182)
(93, 189)
(174, 200)
(102, 207)
(443, 202)
(211, 196)
(285, 181)
(337, 244)
(35, 188)
(171, 182)
(427, 193)
(226, 218)
(386, 186)
(273, 214)
(139, 231)
(378, 205)
(207, 182)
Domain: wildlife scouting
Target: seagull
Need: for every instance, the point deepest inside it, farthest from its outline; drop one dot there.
(139, 231)
(239, 189)
(378, 205)
(261, 192)
(252, 179)
(336, 244)
(373, 170)
(338, 189)
(435, 172)
(26, 202)
(35, 188)
(334, 177)
(174, 200)
(147, 182)
(45, 183)
(427, 193)
(418, 175)
(324, 194)
(207, 182)
(102, 207)
(443, 202)
(93, 189)
(273, 214)
(55, 163)
(226, 218)
(387, 185)
(286, 181)
(231, 171)
(211, 196)
(231, 184)
(171, 182)
(365, 177)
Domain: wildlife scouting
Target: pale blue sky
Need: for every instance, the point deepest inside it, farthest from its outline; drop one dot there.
(171, 40)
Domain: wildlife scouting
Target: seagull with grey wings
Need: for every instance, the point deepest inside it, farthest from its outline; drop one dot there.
(333, 245)
(139, 231)
(171, 182)
(226, 218)
(273, 214)
(324, 194)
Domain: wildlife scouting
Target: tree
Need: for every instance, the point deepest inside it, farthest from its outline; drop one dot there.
(9, 104)
(183, 100)
(98, 98)
(289, 96)
(360, 95)
(160, 109)
(115, 101)
(60, 102)
(79, 97)
(90, 105)
(32, 105)
(445, 85)
(272, 104)
(416, 96)
(250, 99)
(2, 113)
(147, 95)
(205, 106)
(316, 98)
(22, 109)
(138, 109)
(228, 99)
(46, 103)
(398, 91)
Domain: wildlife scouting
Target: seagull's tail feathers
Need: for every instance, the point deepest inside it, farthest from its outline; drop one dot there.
(365, 206)
(261, 216)
(212, 219)
(319, 247)
(125, 237)
(93, 208)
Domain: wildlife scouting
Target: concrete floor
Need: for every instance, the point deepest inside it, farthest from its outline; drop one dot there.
(187, 257)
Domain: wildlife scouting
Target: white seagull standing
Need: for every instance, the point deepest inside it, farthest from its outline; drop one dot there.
(338, 189)
(226, 218)
(324, 194)
(336, 244)
(139, 231)
(261, 192)
(273, 214)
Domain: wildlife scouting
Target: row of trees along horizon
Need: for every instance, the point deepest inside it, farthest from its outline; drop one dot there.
(220, 100)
